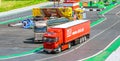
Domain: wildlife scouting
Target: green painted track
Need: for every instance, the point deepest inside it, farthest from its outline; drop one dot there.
(104, 55)
(97, 22)
(15, 20)
(21, 54)
(118, 2)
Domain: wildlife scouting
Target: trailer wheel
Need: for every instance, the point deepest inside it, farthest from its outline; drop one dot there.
(69, 45)
(58, 50)
(75, 42)
(88, 36)
(78, 41)
(81, 40)
(85, 38)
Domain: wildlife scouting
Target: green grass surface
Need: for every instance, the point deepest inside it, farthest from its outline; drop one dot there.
(13, 4)
(108, 8)
(104, 55)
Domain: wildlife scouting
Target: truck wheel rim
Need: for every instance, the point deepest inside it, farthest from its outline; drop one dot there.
(85, 38)
(69, 45)
(81, 40)
(59, 49)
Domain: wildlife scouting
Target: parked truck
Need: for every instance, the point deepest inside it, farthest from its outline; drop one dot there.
(61, 37)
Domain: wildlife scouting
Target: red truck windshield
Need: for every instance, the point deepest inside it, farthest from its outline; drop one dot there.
(50, 39)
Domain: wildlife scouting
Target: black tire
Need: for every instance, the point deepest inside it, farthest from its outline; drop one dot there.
(81, 40)
(69, 45)
(46, 52)
(77, 41)
(88, 36)
(59, 50)
(85, 38)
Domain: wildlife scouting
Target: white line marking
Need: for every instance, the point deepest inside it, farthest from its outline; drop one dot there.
(16, 56)
(101, 50)
(117, 14)
(114, 56)
(101, 21)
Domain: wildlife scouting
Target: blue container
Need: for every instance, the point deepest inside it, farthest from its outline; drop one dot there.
(27, 23)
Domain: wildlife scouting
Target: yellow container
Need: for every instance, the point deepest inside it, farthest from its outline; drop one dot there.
(36, 12)
(85, 4)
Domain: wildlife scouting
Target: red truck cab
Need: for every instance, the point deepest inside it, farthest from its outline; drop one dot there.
(52, 39)
(61, 37)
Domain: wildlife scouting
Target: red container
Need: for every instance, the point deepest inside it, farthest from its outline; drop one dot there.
(71, 4)
(75, 31)
(71, 0)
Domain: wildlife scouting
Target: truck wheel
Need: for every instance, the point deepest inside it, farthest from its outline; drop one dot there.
(58, 50)
(88, 36)
(81, 40)
(69, 45)
(77, 41)
(85, 38)
(46, 52)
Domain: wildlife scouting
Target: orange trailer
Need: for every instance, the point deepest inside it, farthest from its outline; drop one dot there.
(61, 37)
